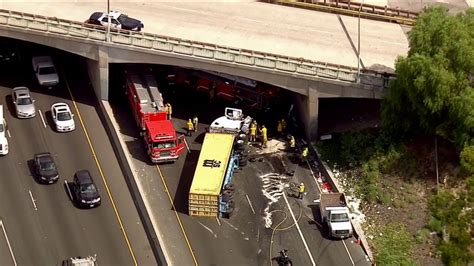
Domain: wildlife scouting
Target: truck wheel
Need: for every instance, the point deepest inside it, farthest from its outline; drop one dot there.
(242, 136)
(226, 197)
(230, 187)
(240, 144)
(243, 162)
(228, 193)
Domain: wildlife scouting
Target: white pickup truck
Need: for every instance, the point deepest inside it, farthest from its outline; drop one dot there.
(3, 138)
(335, 213)
(232, 122)
(45, 70)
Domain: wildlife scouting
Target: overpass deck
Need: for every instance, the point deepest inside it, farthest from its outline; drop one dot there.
(250, 25)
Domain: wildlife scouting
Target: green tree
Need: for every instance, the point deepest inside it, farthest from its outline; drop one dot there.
(433, 91)
(467, 159)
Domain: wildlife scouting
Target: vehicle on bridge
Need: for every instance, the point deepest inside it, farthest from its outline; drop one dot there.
(335, 214)
(3, 138)
(117, 21)
(161, 140)
(45, 71)
(222, 152)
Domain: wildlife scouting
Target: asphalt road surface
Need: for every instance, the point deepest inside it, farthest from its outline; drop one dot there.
(43, 225)
(244, 239)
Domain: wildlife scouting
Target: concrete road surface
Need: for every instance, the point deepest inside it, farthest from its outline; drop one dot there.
(249, 25)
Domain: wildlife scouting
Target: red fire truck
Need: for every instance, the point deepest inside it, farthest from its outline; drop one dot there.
(244, 92)
(161, 141)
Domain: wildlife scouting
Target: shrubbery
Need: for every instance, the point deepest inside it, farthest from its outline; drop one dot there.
(394, 246)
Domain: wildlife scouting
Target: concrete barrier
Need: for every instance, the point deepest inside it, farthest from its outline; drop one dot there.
(329, 177)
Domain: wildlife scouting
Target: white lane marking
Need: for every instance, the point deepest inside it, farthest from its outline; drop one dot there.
(299, 230)
(250, 203)
(208, 229)
(8, 133)
(219, 222)
(8, 242)
(348, 253)
(68, 189)
(42, 118)
(33, 200)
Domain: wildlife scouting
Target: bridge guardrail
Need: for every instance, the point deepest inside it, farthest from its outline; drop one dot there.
(382, 13)
(300, 66)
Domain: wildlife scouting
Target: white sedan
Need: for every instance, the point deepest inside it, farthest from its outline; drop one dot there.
(63, 117)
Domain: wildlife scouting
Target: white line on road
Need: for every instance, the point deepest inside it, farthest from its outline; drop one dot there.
(68, 189)
(299, 230)
(42, 118)
(33, 200)
(8, 133)
(8, 242)
(208, 229)
(250, 203)
(219, 222)
(350, 257)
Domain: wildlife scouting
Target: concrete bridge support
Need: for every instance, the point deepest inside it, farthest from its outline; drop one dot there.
(306, 107)
(99, 73)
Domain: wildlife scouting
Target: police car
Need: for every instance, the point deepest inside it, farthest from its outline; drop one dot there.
(117, 20)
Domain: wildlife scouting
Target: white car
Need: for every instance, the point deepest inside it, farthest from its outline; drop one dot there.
(63, 117)
(45, 70)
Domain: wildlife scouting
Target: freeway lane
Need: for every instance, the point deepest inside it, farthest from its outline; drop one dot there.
(57, 230)
(252, 25)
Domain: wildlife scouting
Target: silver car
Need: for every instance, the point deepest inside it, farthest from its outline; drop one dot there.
(24, 104)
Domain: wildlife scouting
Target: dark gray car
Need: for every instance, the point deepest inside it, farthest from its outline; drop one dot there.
(85, 190)
(45, 168)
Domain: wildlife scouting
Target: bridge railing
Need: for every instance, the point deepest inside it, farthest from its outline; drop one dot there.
(285, 64)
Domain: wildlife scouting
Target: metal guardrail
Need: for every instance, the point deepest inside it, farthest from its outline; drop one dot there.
(368, 11)
(285, 64)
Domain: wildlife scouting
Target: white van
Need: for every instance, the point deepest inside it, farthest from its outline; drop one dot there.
(3, 138)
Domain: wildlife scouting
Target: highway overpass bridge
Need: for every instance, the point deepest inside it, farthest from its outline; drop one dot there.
(314, 55)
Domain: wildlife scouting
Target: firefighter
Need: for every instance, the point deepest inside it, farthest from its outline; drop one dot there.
(253, 132)
(263, 132)
(195, 123)
(283, 125)
(304, 154)
(279, 128)
(292, 143)
(190, 127)
(301, 191)
(169, 111)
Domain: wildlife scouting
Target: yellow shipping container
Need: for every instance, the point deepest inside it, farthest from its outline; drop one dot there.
(210, 173)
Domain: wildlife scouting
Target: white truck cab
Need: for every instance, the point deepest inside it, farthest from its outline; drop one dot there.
(3, 138)
(232, 122)
(45, 71)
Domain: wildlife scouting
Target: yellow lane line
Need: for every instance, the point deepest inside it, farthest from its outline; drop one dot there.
(117, 215)
(176, 214)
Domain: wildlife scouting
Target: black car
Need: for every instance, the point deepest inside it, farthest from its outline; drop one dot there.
(45, 168)
(117, 21)
(85, 190)
(8, 51)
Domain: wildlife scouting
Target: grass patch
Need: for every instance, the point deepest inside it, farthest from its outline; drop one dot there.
(394, 246)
